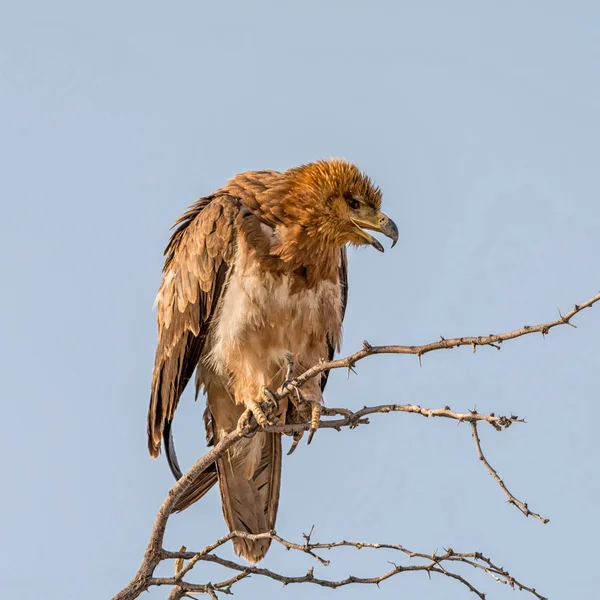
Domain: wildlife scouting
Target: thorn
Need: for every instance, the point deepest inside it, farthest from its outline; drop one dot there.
(367, 346)
(420, 362)
(566, 321)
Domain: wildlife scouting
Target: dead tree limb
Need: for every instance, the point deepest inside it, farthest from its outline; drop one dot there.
(430, 563)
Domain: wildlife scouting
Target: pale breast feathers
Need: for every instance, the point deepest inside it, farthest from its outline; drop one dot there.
(259, 307)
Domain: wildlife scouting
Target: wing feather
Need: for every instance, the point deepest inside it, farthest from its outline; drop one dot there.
(198, 259)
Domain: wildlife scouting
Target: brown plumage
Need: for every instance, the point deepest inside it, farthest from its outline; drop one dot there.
(256, 273)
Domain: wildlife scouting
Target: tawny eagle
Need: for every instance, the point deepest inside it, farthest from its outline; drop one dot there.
(256, 273)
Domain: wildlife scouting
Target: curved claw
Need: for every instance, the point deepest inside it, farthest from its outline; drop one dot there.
(295, 442)
(270, 397)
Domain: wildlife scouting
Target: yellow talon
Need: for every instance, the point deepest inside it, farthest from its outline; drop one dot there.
(258, 413)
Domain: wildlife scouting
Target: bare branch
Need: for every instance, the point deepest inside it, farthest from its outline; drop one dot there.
(431, 563)
(154, 551)
(353, 419)
(442, 344)
(522, 506)
(428, 563)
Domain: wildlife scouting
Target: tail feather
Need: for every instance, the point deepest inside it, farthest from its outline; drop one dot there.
(249, 480)
(249, 475)
(198, 488)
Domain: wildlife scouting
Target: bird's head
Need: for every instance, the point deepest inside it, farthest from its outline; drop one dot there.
(337, 203)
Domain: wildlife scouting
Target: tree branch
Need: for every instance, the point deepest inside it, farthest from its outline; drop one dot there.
(431, 563)
(522, 506)
(442, 344)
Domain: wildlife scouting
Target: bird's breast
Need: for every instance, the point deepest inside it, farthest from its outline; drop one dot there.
(262, 314)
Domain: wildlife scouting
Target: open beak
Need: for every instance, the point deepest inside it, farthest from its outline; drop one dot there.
(383, 224)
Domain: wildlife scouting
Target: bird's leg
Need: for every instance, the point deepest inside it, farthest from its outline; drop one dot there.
(290, 368)
(295, 397)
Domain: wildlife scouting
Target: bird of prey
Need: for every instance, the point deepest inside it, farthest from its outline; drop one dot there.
(255, 280)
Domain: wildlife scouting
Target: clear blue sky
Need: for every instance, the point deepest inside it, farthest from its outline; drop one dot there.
(479, 120)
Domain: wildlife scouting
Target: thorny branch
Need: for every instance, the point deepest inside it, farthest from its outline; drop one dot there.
(522, 506)
(435, 562)
(442, 344)
(430, 563)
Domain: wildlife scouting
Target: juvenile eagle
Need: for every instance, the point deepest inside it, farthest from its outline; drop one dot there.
(256, 274)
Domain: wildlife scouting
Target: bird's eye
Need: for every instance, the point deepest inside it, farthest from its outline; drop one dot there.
(351, 201)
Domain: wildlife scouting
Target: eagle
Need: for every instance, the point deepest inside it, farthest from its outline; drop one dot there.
(254, 290)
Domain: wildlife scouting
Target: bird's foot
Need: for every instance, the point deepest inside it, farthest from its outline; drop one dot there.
(246, 424)
(306, 409)
(264, 411)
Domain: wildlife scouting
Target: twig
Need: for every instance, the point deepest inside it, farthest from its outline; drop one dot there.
(522, 506)
(431, 563)
(441, 344)
(154, 551)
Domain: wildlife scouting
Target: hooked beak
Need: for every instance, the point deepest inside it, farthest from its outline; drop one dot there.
(382, 224)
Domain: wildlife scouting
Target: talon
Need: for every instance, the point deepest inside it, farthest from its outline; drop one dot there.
(270, 397)
(315, 418)
(295, 442)
(315, 415)
(258, 413)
